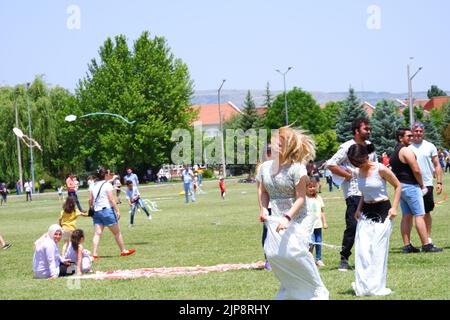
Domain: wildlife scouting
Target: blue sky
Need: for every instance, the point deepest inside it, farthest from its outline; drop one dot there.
(331, 44)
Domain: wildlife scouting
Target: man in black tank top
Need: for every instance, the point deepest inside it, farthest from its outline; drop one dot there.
(404, 165)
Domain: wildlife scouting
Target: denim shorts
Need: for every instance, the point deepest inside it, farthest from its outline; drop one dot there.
(411, 200)
(105, 217)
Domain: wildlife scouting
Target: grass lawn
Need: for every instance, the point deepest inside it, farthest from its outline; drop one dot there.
(206, 233)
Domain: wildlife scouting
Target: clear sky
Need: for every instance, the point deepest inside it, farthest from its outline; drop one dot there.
(330, 43)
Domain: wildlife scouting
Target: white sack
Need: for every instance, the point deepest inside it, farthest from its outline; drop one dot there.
(292, 263)
(371, 256)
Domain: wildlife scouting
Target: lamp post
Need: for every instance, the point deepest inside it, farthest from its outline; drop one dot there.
(221, 131)
(411, 108)
(19, 157)
(285, 96)
(29, 131)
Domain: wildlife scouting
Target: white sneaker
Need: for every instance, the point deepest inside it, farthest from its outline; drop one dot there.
(149, 217)
(130, 226)
(319, 263)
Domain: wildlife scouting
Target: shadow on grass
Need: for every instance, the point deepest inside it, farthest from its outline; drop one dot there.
(348, 292)
(138, 243)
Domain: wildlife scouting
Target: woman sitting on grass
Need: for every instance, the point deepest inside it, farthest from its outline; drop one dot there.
(47, 263)
(77, 255)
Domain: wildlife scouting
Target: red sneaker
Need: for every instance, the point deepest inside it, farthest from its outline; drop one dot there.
(129, 252)
(95, 258)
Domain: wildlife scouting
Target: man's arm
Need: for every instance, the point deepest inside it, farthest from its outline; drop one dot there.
(438, 171)
(334, 164)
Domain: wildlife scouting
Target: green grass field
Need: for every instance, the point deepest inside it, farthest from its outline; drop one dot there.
(206, 233)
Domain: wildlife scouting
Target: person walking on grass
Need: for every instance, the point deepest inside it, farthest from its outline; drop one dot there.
(3, 193)
(222, 187)
(72, 187)
(106, 213)
(339, 165)
(406, 169)
(134, 199)
(130, 176)
(315, 206)
(374, 215)
(428, 161)
(68, 221)
(28, 187)
(283, 185)
(188, 178)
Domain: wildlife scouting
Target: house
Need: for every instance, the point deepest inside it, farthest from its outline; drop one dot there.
(368, 107)
(429, 104)
(208, 116)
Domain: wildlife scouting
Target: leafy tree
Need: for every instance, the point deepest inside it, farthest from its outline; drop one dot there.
(146, 84)
(385, 121)
(434, 91)
(331, 111)
(303, 111)
(437, 118)
(445, 133)
(419, 115)
(350, 110)
(326, 144)
(446, 113)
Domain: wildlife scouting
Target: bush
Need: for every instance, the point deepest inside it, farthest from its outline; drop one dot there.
(208, 173)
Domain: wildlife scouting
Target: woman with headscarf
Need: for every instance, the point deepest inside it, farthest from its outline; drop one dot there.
(47, 262)
(283, 184)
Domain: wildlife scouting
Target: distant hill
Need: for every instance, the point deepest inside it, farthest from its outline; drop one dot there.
(238, 96)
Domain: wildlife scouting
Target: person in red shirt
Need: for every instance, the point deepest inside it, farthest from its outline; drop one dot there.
(72, 190)
(385, 159)
(222, 188)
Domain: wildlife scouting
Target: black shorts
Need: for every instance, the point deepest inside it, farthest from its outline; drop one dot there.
(428, 200)
(377, 212)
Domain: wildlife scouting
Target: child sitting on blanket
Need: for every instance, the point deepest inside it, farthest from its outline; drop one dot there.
(79, 257)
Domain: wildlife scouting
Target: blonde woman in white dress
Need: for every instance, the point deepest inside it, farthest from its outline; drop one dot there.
(283, 185)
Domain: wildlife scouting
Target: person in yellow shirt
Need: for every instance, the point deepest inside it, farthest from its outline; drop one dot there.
(68, 220)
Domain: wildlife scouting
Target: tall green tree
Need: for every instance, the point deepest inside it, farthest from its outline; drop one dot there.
(432, 134)
(435, 91)
(326, 144)
(303, 111)
(331, 111)
(419, 115)
(268, 98)
(350, 110)
(385, 121)
(145, 83)
(250, 117)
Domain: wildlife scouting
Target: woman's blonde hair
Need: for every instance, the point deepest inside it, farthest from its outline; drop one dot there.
(298, 146)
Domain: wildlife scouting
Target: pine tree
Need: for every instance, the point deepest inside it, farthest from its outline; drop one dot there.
(431, 134)
(351, 110)
(250, 118)
(268, 99)
(385, 121)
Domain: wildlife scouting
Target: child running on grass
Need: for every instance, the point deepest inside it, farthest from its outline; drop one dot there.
(316, 206)
(222, 188)
(68, 220)
(78, 256)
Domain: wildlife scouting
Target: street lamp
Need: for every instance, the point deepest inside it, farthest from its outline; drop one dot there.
(72, 117)
(19, 157)
(30, 137)
(285, 96)
(411, 108)
(221, 131)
